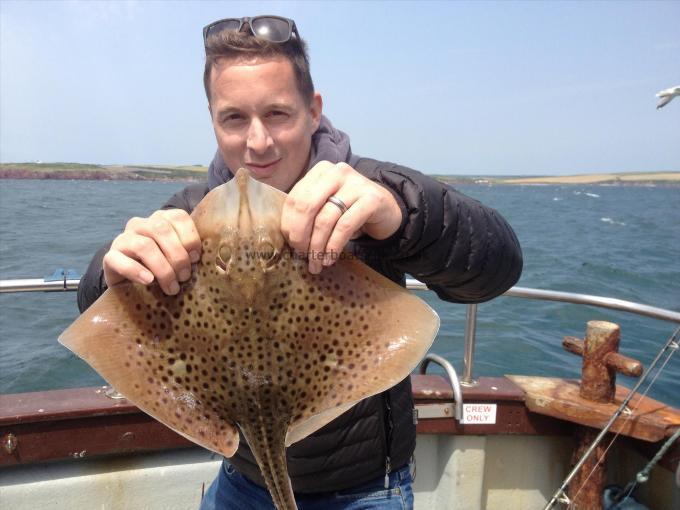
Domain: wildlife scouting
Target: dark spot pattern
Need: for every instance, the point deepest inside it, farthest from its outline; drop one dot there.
(300, 345)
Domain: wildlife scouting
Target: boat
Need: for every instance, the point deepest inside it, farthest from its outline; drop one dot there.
(483, 442)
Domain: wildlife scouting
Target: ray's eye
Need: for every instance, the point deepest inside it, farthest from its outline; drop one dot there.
(268, 254)
(223, 257)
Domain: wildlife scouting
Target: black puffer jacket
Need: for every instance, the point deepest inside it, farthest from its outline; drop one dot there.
(463, 250)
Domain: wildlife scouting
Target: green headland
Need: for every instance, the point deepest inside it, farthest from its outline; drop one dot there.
(199, 172)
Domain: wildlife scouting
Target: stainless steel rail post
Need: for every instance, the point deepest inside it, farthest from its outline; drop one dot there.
(468, 358)
(453, 379)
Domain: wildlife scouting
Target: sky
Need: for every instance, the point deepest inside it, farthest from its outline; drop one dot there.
(510, 88)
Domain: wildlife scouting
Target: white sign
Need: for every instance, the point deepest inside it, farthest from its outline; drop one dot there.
(480, 414)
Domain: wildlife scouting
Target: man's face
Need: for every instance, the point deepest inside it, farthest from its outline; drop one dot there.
(261, 120)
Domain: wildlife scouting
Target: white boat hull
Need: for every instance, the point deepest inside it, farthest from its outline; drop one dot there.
(452, 472)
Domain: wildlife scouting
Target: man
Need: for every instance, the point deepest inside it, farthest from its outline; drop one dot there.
(268, 118)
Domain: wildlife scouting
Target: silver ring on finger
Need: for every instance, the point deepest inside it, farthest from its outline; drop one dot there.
(338, 203)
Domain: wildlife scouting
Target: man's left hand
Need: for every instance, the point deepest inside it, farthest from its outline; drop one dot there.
(318, 228)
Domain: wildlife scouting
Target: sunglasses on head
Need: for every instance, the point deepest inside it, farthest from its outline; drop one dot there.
(271, 28)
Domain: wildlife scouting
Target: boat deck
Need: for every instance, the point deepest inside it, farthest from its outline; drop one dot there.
(81, 449)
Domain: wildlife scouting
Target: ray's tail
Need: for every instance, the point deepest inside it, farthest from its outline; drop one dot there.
(269, 449)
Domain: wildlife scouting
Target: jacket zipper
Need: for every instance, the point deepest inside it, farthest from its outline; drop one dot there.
(388, 437)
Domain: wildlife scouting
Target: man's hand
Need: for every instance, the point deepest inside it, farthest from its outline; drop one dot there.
(162, 247)
(319, 229)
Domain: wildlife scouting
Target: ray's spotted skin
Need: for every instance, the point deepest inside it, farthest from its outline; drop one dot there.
(253, 341)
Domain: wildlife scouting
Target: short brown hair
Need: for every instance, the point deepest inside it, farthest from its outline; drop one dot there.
(231, 44)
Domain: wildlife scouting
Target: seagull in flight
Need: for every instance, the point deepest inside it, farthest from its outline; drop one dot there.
(667, 96)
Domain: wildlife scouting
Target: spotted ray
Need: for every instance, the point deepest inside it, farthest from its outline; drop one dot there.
(254, 341)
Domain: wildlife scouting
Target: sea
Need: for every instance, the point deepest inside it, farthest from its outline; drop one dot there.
(616, 241)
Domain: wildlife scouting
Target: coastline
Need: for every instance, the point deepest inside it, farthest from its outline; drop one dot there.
(78, 171)
(639, 178)
(650, 179)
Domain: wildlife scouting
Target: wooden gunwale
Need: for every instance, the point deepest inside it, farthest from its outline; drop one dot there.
(84, 422)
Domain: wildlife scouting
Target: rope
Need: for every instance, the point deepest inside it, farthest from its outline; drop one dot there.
(643, 475)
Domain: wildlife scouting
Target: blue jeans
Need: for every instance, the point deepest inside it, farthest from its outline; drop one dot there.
(231, 490)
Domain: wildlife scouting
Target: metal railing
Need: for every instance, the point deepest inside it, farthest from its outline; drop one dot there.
(71, 284)
(62, 279)
(453, 379)
(38, 285)
(546, 295)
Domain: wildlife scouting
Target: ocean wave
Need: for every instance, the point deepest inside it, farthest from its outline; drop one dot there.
(612, 222)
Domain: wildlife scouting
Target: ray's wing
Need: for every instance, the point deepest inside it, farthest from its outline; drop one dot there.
(367, 335)
(131, 336)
